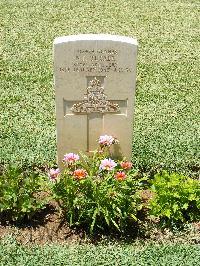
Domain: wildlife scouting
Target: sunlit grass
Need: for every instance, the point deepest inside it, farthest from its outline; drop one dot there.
(166, 125)
(102, 254)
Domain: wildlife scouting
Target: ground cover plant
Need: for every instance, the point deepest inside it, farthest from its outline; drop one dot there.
(176, 198)
(166, 123)
(20, 193)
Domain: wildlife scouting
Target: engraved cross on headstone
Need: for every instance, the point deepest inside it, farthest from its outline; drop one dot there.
(95, 106)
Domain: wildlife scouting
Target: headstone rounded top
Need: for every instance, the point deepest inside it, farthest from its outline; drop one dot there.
(95, 37)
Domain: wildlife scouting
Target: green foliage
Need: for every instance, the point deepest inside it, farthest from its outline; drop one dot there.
(20, 193)
(176, 197)
(99, 197)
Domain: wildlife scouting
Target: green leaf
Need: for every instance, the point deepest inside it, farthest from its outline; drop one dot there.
(119, 211)
(175, 207)
(115, 224)
(167, 213)
(93, 220)
(192, 197)
(134, 217)
(185, 206)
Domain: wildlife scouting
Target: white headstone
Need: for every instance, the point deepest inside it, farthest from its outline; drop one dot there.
(95, 76)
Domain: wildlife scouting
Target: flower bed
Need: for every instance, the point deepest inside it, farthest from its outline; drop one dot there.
(99, 193)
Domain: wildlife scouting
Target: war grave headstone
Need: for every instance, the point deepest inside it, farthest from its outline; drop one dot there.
(94, 76)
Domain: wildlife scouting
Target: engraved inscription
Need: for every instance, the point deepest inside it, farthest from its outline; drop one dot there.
(95, 100)
(100, 61)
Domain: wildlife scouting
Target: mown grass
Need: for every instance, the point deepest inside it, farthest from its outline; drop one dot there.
(166, 126)
(88, 254)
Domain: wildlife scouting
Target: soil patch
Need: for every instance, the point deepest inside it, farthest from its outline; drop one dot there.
(45, 227)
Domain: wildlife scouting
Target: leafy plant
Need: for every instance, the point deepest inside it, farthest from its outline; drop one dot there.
(96, 190)
(20, 193)
(176, 197)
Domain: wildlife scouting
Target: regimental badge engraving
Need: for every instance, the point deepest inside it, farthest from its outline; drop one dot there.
(95, 100)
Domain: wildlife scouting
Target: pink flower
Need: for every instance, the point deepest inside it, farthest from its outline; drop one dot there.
(120, 176)
(53, 174)
(126, 165)
(107, 164)
(106, 140)
(71, 158)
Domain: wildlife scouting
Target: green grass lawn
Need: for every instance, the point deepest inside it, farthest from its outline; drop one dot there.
(111, 254)
(166, 126)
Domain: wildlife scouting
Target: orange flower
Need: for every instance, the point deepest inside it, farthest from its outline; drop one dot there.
(120, 176)
(80, 174)
(126, 165)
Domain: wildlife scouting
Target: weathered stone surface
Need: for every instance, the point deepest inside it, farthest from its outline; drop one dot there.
(95, 77)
